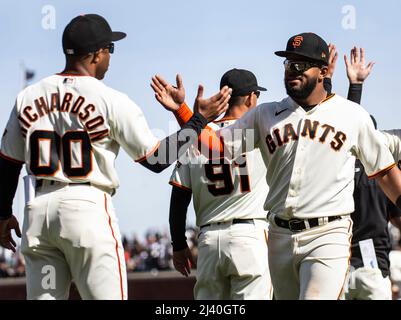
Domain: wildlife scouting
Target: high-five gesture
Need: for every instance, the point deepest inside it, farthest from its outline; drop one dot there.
(172, 97)
(169, 96)
(357, 72)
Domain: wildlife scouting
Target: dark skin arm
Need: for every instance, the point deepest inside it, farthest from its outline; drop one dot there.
(182, 256)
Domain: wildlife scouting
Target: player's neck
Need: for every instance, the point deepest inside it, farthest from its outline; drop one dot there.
(236, 111)
(317, 96)
(78, 69)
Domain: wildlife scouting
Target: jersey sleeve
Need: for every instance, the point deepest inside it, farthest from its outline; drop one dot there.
(243, 135)
(372, 148)
(12, 142)
(181, 176)
(394, 143)
(129, 128)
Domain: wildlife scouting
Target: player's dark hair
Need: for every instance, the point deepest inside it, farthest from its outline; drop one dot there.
(236, 101)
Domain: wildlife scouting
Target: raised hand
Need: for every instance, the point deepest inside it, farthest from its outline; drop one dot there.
(357, 72)
(183, 261)
(169, 96)
(214, 106)
(332, 60)
(6, 239)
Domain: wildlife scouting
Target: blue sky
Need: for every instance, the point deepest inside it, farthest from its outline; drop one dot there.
(201, 40)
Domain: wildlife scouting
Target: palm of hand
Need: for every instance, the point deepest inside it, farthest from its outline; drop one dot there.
(358, 72)
(172, 96)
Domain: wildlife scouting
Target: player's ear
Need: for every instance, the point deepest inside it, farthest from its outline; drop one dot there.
(323, 72)
(96, 57)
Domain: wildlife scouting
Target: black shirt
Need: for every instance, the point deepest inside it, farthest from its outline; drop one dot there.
(373, 211)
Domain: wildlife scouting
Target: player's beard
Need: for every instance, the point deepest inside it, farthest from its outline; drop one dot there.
(303, 92)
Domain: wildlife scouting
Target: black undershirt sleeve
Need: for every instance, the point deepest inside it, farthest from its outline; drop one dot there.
(179, 202)
(8, 186)
(173, 146)
(355, 92)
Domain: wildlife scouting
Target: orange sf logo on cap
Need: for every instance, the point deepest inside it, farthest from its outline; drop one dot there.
(297, 41)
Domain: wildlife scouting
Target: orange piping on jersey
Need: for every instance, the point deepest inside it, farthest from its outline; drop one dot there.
(348, 262)
(375, 175)
(328, 98)
(118, 256)
(176, 184)
(207, 138)
(149, 153)
(11, 159)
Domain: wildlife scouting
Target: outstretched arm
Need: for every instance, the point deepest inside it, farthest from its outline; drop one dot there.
(390, 182)
(357, 72)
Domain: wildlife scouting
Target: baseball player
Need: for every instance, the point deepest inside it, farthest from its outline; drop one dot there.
(67, 129)
(309, 142)
(228, 198)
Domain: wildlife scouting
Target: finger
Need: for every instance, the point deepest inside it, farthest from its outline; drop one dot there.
(18, 231)
(178, 80)
(362, 51)
(199, 95)
(370, 66)
(356, 53)
(192, 261)
(12, 242)
(155, 88)
(159, 98)
(163, 82)
(335, 57)
(6, 244)
(225, 94)
(158, 84)
(181, 269)
(346, 61)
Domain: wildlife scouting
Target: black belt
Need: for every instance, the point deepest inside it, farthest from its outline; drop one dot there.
(234, 221)
(297, 225)
(39, 183)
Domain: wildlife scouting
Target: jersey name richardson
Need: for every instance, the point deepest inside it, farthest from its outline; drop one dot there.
(85, 111)
(323, 133)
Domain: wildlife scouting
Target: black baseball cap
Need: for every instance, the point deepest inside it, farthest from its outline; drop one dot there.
(88, 33)
(241, 81)
(306, 45)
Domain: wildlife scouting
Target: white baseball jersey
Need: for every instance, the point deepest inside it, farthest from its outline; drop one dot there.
(223, 189)
(70, 128)
(310, 156)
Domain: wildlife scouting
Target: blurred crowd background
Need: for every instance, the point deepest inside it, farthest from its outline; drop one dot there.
(154, 253)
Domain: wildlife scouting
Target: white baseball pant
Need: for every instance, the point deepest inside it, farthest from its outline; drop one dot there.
(232, 262)
(70, 232)
(310, 264)
(367, 284)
